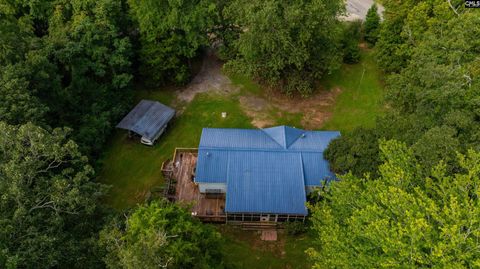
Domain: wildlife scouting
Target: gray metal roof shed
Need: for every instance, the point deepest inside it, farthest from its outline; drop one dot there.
(147, 118)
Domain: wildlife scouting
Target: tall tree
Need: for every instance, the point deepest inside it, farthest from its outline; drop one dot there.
(352, 34)
(287, 43)
(171, 34)
(433, 100)
(49, 202)
(402, 219)
(161, 235)
(71, 68)
(92, 59)
(18, 102)
(372, 25)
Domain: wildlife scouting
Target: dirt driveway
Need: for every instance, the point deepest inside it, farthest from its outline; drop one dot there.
(265, 109)
(210, 78)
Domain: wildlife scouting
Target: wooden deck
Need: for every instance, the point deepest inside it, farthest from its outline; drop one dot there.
(186, 191)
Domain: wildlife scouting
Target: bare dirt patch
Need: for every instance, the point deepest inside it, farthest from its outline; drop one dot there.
(258, 109)
(265, 110)
(210, 78)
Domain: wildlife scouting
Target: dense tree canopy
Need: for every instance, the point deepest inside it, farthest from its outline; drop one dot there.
(404, 25)
(66, 71)
(402, 218)
(161, 235)
(171, 34)
(286, 43)
(48, 202)
(433, 100)
(71, 68)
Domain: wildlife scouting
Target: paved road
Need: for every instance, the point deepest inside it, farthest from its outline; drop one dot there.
(357, 9)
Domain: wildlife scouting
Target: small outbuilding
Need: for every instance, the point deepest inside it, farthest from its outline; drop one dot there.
(148, 119)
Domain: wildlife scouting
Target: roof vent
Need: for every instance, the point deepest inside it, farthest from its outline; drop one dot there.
(208, 154)
(303, 135)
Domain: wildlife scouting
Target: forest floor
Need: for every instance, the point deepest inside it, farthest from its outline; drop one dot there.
(348, 98)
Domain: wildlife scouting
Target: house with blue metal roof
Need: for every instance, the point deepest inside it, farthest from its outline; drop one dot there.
(148, 119)
(265, 174)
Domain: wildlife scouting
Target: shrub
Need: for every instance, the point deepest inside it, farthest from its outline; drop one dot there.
(295, 227)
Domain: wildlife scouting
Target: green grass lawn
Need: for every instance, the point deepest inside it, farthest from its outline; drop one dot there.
(361, 97)
(132, 169)
(244, 249)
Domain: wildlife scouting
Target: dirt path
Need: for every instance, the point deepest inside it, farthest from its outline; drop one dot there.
(266, 109)
(269, 108)
(210, 78)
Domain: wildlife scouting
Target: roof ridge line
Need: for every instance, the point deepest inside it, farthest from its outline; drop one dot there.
(265, 133)
(263, 150)
(285, 135)
(298, 137)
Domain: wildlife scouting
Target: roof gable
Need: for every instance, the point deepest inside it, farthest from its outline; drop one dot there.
(265, 170)
(284, 135)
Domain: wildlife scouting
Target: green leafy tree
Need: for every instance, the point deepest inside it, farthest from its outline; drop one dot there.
(160, 235)
(71, 66)
(171, 35)
(18, 103)
(352, 33)
(356, 152)
(92, 60)
(372, 25)
(402, 219)
(48, 202)
(433, 101)
(17, 37)
(404, 25)
(287, 43)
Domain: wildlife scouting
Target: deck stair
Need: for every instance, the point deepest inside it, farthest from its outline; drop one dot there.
(258, 226)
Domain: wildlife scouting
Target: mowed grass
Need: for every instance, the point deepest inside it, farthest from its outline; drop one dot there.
(133, 169)
(244, 249)
(359, 102)
(361, 98)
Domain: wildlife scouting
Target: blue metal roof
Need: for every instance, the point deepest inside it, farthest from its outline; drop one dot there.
(266, 170)
(315, 169)
(284, 135)
(260, 182)
(147, 118)
(236, 139)
(213, 166)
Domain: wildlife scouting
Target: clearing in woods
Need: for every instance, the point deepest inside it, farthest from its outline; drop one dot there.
(348, 98)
